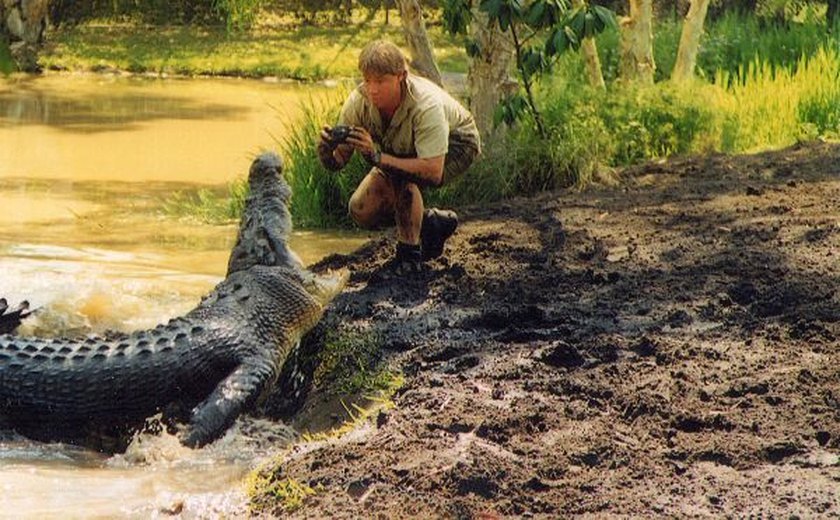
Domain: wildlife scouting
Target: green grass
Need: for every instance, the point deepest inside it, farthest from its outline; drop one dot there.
(272, 493)
(209, 206)
(728, 44)
(297, 52)
(350, 363)
(7, 65)
(320, 196)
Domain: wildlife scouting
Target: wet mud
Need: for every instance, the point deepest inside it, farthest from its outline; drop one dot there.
(668, 346)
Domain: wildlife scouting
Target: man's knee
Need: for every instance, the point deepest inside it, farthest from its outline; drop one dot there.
(360, 214)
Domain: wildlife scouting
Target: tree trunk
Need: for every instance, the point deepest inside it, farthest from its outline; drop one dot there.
(590, 58)
(637, 63)
(690, 41)
(422, 57)
(488, 81)
(22, 25)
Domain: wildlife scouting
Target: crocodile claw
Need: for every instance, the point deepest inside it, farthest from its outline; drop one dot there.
(10, 320)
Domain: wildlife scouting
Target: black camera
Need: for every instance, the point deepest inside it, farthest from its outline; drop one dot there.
(339, 134)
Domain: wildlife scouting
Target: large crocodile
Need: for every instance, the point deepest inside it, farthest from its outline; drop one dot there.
(217, 359)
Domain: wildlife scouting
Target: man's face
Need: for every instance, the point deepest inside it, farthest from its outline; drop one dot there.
(384, 90)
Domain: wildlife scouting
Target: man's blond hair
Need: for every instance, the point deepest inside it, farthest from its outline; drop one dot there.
(382, 57)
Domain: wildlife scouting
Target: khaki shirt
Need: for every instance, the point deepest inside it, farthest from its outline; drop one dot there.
(422, 125)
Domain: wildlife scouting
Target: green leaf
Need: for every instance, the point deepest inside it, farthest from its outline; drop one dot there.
(588, 25)
(510, 110)
(606, 16)
(7, 64)
(533, 61)
(575, 20)
(457, 15)
(571, 35)
(536, 13)
(504, 20)
(492, 8)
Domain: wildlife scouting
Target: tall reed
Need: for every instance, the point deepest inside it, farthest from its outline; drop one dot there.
(320, 196)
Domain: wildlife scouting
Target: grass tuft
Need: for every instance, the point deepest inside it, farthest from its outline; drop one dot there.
(207, 205)
(273, 493)
(351, 363)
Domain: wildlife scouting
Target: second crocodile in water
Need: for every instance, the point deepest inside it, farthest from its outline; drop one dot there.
(215, 361)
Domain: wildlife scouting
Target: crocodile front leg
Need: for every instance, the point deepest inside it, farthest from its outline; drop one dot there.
(210, 418)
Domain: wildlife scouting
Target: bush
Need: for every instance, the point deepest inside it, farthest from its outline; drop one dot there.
(7, 65)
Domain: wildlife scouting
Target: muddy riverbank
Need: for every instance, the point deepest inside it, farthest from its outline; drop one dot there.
(667, 346)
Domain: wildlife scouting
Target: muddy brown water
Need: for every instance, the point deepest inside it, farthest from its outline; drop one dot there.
(85, 162)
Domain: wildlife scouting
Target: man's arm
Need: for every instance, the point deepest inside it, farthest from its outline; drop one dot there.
(426, 171)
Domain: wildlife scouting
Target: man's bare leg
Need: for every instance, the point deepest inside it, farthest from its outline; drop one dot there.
(408, 211)
(381, 198)
(373, 201)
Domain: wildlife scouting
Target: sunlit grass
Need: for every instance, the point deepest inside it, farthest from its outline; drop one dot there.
(769, 107)
(285, 51)
(7, 66)
(209, 206)
(270, 493)
(727, 44)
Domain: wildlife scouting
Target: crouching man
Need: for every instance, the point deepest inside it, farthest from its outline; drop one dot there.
(414, 135)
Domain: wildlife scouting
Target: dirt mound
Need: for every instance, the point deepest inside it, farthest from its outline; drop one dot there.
(665, 347)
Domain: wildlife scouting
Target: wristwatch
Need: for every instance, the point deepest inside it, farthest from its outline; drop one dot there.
(375, 157)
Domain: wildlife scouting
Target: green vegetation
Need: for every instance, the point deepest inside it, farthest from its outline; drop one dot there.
(540, 31)
(351, 364)
(7, 66)
(302, 52)
(210, 206)
(320, 197)
(759, 107)
(728, 44)
(762, 86)
(286, 493)
(234, 14)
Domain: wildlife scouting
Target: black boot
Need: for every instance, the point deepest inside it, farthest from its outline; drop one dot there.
(438, 225)
(408, 260)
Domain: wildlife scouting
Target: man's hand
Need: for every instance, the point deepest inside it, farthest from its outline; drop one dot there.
(362, 142)
(326, 151)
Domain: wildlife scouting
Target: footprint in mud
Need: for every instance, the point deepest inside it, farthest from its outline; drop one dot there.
(819, 234)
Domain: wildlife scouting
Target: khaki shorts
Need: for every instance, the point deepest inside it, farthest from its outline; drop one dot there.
(460, 156)
(462, 153)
